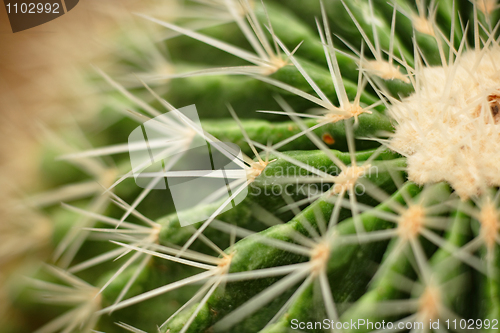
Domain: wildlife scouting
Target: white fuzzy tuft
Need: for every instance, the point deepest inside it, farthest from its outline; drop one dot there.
(450, 127)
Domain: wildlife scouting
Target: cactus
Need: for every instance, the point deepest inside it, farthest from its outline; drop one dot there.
(371, 173)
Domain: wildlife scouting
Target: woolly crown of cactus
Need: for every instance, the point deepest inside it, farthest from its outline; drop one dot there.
(364, 196)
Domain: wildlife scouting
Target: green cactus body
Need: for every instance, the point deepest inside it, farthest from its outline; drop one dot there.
(372, 195)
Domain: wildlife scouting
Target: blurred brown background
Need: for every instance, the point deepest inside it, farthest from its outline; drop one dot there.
(39, 80)
(42, 82)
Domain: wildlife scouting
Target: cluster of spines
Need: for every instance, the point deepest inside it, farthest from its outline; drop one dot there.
(320, 242)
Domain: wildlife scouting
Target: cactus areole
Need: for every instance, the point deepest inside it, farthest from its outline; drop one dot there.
(364, 196)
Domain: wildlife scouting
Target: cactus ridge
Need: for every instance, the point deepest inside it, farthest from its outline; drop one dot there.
(371, 172)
